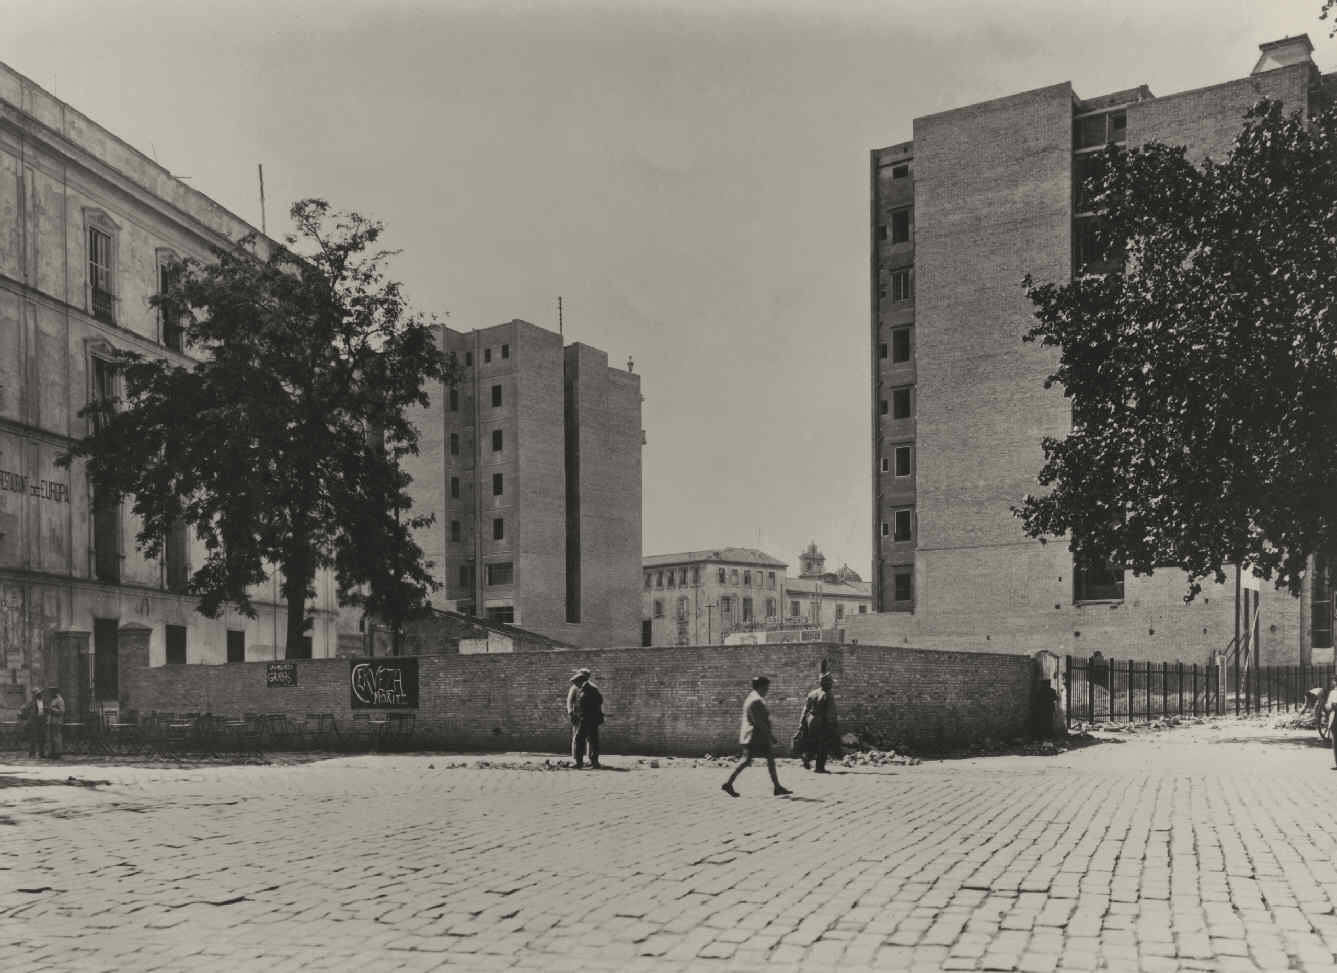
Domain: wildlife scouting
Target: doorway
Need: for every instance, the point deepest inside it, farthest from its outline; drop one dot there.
(106, 659)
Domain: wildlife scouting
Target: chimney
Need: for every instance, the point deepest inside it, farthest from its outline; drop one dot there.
(1282, 53)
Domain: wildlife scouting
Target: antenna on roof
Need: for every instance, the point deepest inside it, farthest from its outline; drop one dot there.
(263, 228)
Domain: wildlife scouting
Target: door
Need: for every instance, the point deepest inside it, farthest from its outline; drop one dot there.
(106, 659)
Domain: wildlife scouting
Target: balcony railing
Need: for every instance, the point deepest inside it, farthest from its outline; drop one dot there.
(104, 306)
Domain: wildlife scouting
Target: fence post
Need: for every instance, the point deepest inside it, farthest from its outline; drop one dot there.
(1148, 691)
(1180, 672)
(1067, 690)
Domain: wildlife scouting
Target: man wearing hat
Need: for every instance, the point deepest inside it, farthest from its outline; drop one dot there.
(55, 723)
(584, 707)
(819, 730)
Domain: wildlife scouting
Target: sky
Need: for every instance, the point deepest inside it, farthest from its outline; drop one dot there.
(690, 177)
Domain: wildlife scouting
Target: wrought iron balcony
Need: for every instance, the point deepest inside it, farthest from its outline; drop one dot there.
(104, 306)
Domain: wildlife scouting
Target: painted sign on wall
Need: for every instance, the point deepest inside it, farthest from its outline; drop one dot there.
(280, 674)
(387, 683)
(12, 482)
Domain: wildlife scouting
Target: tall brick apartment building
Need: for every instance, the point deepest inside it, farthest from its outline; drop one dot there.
(532, 466)
(982, 196)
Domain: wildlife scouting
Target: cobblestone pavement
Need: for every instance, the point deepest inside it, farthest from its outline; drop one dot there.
(1203, 848)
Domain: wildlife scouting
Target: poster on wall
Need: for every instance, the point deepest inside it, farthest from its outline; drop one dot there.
(281, 674)
(385, 683)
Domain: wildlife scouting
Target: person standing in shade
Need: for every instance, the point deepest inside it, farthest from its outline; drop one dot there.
(55, 724)
(820, 729)
(756, 737)
(33, 717)
(590, 711)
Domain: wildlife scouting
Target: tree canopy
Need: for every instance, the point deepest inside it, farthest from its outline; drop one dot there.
(1202, 368)
(281, 443)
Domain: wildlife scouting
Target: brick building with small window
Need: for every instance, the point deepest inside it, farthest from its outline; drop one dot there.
(93, 227)
(982, 196)
(531, 465)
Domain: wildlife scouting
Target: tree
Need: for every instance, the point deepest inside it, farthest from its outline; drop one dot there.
(281, 444)
(1202, 370)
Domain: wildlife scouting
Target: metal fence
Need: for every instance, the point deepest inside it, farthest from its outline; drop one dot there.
(1127, 691)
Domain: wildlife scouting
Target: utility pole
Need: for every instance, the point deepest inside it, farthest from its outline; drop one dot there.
(560, 328)
(710, 608)
(263, 228)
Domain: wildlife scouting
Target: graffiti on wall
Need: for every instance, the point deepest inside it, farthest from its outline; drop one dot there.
(383, 683)
(281, 674)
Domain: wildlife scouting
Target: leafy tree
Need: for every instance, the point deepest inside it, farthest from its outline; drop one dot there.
(1202, 370)
(281, 444)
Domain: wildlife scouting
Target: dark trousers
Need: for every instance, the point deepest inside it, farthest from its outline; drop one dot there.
(756, 750)
(816, 754)
(36, 740)
(584, 738)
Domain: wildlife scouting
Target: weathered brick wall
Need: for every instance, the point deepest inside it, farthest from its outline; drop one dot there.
(670, 700)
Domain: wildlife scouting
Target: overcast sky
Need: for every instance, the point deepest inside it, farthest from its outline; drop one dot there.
(692, 178)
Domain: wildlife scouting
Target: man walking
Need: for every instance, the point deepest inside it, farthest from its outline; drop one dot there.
(820, 730)
(33, 717)
(55, 724)
(756, 737)
(584, 707)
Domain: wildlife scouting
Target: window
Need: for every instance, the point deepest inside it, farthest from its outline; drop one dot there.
(1320, 607)
(236, 646)
(468, 359)
(101, 274)
(901, 171)
(455, 487)
(900, 345)
(175, 548)
(793, 609)
(696, 575)
(733, 576)
(902, 405)
(497, 484)
(747, 609)
(454, 444)
(904, 526)
(454, 400)
(106, 506)
(770, 608)
(659, 608)
(682, 578)
(496, 396)
(496, 440)
(167, 317)
(863, 609)
(672, 579)
(649, 580)
(747, 578)
(904, 460)
(466, 575)
(1092, 253)
(682, 608)
(505, 351)
(902, 287)
(903, 584)
(840, 610)
(1095, 579)
(503, 572)
(659, 579)
(882, 350)
(881, 231)
(1086, 170)
(487, 355)
(721, 577)
(884, 529)
(726, 606)
(501, 614)
(1095, 131)
(882, 407)
(176, 645)
(498, 528)
(770, 580)
(885, 465)
(900, 225)
(454, 530)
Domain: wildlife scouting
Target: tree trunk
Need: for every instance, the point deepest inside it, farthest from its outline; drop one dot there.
(296, 598)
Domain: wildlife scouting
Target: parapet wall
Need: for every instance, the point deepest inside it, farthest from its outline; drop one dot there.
(672, 700)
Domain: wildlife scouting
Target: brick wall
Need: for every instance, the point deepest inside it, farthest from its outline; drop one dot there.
(673, 700)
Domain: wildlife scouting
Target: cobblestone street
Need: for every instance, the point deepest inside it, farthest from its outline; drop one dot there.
(1201, 848)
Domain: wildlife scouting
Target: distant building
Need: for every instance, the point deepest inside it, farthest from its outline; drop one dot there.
(532, 467)
(699, 597)
(982, 196)
(90, 225)
(818, 598)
